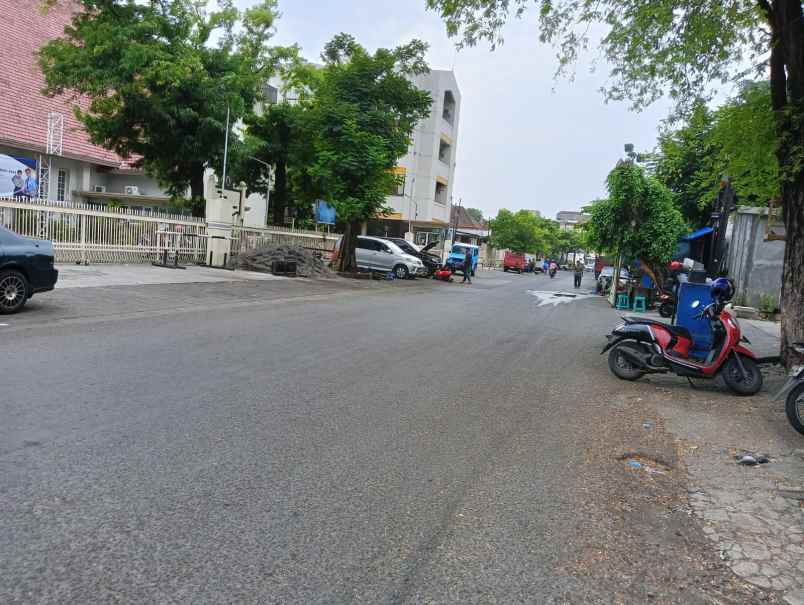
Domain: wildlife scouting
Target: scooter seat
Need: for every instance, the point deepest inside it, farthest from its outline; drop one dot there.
(679, 331)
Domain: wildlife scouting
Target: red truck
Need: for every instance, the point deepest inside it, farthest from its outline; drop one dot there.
(514, 261)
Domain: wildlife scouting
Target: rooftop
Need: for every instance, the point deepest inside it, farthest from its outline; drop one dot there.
(23, 107)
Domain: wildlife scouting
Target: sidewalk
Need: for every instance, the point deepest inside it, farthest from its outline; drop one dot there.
(100, 275)
(753, 516)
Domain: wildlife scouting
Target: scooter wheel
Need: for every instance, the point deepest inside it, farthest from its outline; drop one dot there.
(666, 310)
(621, 366)
(750, 384)
(794, 407)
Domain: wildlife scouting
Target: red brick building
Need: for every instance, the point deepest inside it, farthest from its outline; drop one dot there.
(43, 133)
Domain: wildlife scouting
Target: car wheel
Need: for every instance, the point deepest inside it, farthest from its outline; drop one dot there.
(13, 292)
(401, 272)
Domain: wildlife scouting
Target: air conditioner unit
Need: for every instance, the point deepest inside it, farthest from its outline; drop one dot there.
(131, 190)
(99, 189)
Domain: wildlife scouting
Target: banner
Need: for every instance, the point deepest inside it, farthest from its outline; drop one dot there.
(18, 176)
(324, 213)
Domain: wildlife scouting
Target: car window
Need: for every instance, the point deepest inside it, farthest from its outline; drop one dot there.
(366, 244)
(381, 247)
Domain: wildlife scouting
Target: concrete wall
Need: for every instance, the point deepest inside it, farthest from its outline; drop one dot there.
(754, 264)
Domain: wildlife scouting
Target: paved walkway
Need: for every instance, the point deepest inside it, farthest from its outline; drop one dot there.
(94, 276)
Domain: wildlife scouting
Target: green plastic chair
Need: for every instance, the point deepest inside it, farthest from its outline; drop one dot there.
(640, 304)
(622, 302)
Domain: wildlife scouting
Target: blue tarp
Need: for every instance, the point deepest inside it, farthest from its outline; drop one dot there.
(697, 234)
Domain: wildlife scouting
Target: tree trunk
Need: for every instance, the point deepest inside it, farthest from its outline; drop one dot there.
(279, 199)
(347, 261)
(787, 96)
(197, 201)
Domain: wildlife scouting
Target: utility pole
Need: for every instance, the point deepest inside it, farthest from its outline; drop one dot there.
(225, 151)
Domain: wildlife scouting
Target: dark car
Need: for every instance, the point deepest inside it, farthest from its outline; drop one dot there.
(431, 262)
(26, 267)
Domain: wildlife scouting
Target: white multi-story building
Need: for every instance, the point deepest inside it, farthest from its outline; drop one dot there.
(427, 172)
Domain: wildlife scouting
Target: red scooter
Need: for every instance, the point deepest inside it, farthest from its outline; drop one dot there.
(645, 346)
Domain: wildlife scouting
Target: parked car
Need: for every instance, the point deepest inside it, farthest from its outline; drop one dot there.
(457, 257)
(432, 262)
(26, 267)
(590, 266)
(604, 279)
(514, 261)
(378, 254)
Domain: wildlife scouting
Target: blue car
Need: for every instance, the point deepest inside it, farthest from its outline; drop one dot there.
(457, 257)
(26, 267)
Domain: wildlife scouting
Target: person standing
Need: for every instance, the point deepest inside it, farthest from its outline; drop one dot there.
(30, 189)
(19, 184)
(467, 266)
(578, 273)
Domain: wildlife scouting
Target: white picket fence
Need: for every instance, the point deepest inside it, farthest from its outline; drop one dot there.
(249, 238)
(99, 234)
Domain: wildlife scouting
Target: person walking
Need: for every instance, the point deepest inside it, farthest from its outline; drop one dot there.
(578, 273)
(467, 266)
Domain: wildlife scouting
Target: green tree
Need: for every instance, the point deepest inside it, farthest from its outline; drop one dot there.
(159, 77)
(364, 107)
(476, 214)
(638, 220)
(681, 47)
(737, 140)
(520, 232)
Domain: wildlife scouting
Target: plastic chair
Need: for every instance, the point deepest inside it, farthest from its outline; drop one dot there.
(623, 303)
(640, 304)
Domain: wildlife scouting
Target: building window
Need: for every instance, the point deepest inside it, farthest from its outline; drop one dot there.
(63, 185)
(399, 190)
(444, 151)
(449, 108)
(440, 193)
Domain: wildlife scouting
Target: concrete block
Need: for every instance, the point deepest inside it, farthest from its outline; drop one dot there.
(746, 312)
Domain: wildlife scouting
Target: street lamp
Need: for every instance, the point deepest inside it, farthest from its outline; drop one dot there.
(267, 186)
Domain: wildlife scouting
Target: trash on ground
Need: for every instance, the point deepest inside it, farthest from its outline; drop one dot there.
(751, 459)
(647, 425)
(634, 464)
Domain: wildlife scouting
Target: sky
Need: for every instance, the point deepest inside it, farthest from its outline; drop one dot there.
(525, 140)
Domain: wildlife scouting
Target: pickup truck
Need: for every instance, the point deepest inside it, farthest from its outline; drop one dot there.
(514, 261)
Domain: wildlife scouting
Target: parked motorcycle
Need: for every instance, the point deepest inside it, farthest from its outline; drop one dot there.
(552, 272)
(794, 389)
(667, 304)
(642, 346)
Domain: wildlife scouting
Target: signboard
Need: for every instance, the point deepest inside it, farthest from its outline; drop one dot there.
(324, 213)
(18, 176)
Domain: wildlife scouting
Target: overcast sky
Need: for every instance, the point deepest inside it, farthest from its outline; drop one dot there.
(525, 141)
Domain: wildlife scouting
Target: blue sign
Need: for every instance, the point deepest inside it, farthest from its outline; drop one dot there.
(18, 177)
(324, 213)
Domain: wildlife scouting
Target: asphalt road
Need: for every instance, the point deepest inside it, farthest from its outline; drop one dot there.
(424, 444)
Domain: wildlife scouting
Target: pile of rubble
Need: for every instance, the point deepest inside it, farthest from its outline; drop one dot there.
(309, 263)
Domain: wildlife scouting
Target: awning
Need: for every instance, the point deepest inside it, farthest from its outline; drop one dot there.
(697, 234)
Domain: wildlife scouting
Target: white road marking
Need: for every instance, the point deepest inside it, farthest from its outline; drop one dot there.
(558, 298)
(3, 325)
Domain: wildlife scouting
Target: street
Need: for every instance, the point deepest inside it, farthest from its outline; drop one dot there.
(437, 443)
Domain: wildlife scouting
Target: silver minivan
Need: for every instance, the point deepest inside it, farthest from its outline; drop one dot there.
(381, 255)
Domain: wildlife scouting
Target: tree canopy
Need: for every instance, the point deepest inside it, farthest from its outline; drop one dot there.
(476, 214)
(638, 219)
(363, 109)
(736, 140)
(159, 77)
(521, 231)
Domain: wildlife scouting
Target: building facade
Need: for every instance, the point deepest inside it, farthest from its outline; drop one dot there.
(570, 219)
(42, 141)
(421, 203)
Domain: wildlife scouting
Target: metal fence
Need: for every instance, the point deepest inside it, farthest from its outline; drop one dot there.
(99, 234)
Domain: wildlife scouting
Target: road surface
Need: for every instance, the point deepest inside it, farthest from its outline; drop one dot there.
(432, 443)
